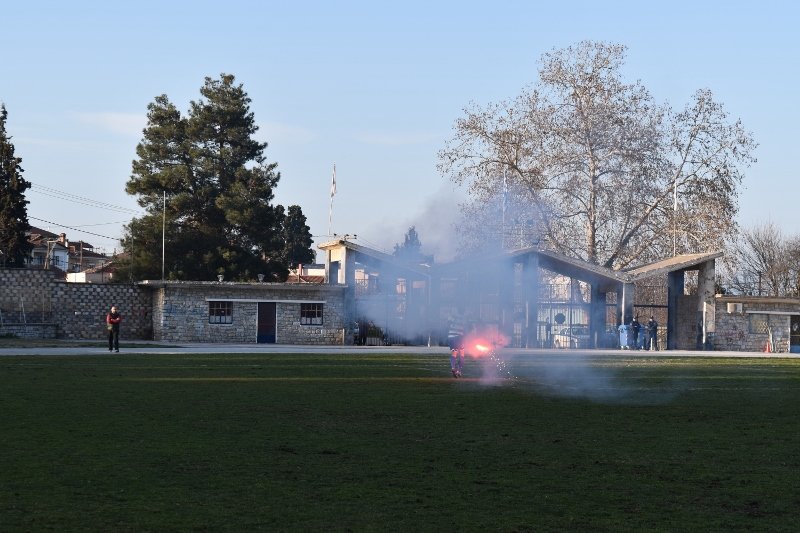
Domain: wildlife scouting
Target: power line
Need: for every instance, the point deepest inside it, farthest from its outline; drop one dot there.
(73, 228)
(87, 203)
(62, 195)
(103, 224)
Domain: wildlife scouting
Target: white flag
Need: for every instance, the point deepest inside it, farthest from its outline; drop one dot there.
(333, 181)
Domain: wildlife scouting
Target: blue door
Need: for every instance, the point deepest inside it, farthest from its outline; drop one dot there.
(266, 322)
(794, 334)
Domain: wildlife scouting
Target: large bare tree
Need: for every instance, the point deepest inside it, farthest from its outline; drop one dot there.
(602, 171)
(764, 262)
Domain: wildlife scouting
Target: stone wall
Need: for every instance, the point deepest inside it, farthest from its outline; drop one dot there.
(733, 322)
(30, 331)
(181, 312)
(70, 310)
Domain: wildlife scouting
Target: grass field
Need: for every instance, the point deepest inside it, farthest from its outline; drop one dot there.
(392, 442)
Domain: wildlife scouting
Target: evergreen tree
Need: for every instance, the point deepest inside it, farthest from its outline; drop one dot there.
(14, 245)
(297, 238)
(218, 188)
(411, 249)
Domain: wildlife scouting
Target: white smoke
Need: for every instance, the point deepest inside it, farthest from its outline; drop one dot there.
(578, 375)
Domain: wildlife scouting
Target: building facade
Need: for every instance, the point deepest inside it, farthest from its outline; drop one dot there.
(234, 312)
(368, 294)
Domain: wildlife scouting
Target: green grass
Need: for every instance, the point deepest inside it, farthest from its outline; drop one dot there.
(391, 442)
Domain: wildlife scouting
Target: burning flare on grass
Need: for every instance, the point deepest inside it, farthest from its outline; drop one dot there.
(483, 344)
(483, 341)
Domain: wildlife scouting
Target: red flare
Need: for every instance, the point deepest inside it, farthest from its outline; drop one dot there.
(482, 341)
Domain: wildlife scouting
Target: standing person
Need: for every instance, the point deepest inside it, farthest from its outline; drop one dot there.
(113, 319)
(548, 333)
(635, 327)
(455, 340)
(624, 343)
(652, 329)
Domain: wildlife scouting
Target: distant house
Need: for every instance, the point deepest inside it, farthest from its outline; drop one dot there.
(84, 258)
(49, 251)
(74, 261)
(314, 273)
(102, 273)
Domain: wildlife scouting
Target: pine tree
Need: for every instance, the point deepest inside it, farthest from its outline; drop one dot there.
(218, 188)
(297, 238)
(14, 245)
(411, 249)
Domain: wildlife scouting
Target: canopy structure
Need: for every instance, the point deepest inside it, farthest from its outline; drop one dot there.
(504, 290)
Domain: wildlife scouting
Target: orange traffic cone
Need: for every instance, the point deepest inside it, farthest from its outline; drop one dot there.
(766, 348)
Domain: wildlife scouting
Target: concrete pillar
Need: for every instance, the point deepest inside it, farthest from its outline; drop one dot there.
(437, 330)
(334, 265)
(597, 317)
(675, 287)
(705, 305)
(628, 295)
(347, 275)
(530, 286)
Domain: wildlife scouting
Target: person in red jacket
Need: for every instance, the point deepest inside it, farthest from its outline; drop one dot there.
(113, 319)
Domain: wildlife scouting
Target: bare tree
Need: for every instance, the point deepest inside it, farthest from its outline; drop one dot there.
(766, 263)
(792, 251)
(609, 175)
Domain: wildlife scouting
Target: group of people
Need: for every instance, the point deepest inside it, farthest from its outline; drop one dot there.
(649, 334)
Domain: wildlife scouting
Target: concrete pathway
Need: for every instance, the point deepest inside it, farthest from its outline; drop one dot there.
(155, 348)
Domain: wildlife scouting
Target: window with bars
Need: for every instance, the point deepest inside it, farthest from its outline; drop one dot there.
(220, 312)
(758, 323)
(311, 314)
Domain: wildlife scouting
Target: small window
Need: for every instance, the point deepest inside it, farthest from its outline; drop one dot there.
(220, 312)
(758, 323)
(311, 314)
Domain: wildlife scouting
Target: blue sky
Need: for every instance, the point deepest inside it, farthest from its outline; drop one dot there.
(372, 86)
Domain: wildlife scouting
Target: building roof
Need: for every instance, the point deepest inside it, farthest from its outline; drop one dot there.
(606, 279)
(108, 266)
(672, 264)
(33, 230)
(87, 254)
(370, 256)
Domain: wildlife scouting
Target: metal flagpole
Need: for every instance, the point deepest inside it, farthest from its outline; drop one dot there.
(505, 199)
(675, 217)
(163, 232)
(333, 193)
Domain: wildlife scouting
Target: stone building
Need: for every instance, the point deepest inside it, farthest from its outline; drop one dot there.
(757, 324)
(233, 312)
(36, 303)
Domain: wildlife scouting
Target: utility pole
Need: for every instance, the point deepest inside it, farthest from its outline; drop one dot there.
(163, 232)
